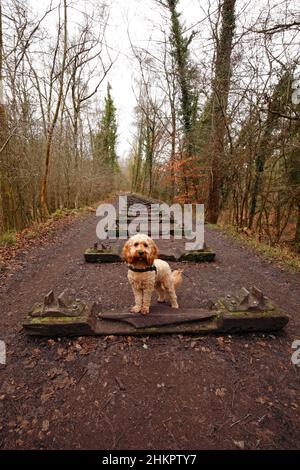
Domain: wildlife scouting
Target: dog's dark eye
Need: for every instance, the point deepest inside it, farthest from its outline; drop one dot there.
(136, 244)
(145, 245)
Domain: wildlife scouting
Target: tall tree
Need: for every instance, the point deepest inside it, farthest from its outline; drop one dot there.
(6, 208)
(52, 121)
(220, 86)
(294, 177)
(106, 139)
(277, 104)
(180, 45)
(136, 162)
(184, 70)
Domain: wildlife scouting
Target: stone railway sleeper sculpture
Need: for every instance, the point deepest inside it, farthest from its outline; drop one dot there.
(244, 311)
(104, 252)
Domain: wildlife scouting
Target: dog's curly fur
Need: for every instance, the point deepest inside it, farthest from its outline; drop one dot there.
(140, 251)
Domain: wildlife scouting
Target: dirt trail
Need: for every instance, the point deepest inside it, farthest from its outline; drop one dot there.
(164, 392)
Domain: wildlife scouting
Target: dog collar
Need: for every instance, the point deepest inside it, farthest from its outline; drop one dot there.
(142, 270)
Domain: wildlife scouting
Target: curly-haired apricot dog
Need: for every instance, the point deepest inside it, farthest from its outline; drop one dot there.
(146, 273)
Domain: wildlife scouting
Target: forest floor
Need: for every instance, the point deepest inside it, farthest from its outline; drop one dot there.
(161, 392)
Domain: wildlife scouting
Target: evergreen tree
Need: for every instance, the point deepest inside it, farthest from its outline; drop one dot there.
(185, 72)
(106, 139)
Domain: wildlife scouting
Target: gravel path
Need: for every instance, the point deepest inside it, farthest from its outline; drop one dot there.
(164, 392)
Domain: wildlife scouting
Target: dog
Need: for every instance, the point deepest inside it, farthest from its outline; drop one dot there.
(146, 272)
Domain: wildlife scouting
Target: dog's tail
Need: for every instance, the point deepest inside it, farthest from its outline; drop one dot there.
(177, 277)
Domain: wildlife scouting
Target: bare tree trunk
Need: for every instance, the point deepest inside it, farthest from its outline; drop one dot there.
(2, 107)
(4, 190)
(181, 53)
(264, 143)
(173, 157)
(297, 231)
(52, 124)
(221, 85)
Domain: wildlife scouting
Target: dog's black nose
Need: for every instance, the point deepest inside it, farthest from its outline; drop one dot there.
(140, 253)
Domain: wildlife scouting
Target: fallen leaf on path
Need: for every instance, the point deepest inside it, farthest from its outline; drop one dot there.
(70, 357)
(240, 444)
(262, 400)
(220, 392)
(47, 393)
(64, 381)
(45, 425)
(36, 351)
(54, 372)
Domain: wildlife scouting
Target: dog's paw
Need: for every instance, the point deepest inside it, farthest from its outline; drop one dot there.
(144, 310)
(135, 309)
(161, 301)
(175, 306)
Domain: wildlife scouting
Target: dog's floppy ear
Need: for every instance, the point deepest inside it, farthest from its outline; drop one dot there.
(154, 253)
(126, 253)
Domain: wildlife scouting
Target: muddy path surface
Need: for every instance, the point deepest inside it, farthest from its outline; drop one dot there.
(162, 392)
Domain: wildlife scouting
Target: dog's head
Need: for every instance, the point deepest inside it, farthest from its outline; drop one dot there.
(140, 249)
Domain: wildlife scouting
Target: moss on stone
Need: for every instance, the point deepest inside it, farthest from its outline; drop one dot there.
(272, 309)
(96, 251)
(49, 320)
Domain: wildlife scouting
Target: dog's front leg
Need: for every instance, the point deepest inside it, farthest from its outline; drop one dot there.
(138, 298)
(147, 294)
